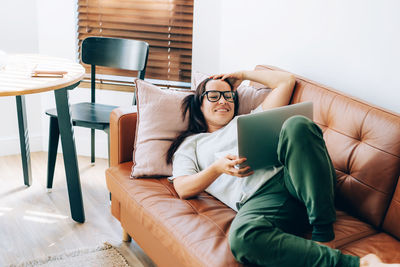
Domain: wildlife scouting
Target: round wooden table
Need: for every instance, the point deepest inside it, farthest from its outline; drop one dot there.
(16, 80)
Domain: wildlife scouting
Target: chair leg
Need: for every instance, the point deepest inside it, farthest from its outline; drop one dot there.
(54, 136)
(107, 130)
(125, 236)
(134, 98)
(92, 159)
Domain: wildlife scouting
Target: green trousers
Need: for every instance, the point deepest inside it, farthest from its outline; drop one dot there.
(264, 231)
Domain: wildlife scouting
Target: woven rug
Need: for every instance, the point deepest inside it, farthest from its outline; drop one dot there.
(105, 255)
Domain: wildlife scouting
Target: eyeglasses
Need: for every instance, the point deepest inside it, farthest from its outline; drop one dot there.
(214, 96)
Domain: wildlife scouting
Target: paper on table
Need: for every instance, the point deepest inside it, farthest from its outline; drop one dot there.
(42, 71)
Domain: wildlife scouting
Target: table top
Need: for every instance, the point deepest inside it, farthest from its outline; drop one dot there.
(15, 76)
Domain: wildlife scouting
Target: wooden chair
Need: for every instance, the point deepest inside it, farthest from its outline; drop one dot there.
(97, 51)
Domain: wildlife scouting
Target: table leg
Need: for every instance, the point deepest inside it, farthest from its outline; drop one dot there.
(24, 140)
(69, 152)
(54, 136)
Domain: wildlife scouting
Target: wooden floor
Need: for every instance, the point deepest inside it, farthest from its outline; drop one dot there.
(35, 223)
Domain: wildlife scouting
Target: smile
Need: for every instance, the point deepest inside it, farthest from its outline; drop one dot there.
(221, 110)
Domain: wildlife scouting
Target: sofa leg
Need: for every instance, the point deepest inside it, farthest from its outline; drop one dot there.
(125, 236)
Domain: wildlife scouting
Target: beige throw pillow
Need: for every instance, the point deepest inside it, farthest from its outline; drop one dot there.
(160, 120)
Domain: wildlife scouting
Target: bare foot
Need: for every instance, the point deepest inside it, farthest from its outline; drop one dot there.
(373, 261)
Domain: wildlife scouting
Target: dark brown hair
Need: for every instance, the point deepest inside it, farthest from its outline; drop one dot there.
(197, 123)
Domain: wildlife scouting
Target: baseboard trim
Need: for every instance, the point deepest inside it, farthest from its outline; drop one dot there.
(11, 146)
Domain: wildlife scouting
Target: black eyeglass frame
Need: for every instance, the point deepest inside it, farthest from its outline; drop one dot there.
(233, 93)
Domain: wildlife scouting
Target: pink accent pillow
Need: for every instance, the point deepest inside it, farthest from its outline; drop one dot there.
(158, 123)
(160, 120)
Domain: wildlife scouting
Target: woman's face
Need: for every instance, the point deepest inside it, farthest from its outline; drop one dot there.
(219, 113)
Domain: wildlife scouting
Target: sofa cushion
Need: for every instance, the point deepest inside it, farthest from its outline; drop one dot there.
(391, 223)
(382, 245)
(349, 229)
(196, 223)
(194, 230)
(159, 120)
(363, 142)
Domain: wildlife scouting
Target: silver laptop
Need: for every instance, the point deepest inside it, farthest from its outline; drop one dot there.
(258, 133)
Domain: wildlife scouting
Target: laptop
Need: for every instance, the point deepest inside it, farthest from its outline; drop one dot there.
(258, 133)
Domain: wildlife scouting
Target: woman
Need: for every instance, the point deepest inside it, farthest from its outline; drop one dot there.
(273, 204)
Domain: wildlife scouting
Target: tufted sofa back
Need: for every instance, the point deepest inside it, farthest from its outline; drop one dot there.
(364, 144)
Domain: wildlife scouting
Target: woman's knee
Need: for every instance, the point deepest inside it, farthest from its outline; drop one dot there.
(237, 243)
(244, 239)
(298, 127)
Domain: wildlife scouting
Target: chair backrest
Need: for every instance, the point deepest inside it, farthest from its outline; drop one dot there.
(115, 53)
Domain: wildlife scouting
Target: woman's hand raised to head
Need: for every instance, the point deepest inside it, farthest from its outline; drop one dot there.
(235, 78)
(229, 165)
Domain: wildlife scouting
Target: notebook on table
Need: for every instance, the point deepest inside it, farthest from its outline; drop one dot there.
(258, 133)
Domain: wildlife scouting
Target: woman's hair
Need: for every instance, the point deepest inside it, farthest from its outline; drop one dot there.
(197, 123)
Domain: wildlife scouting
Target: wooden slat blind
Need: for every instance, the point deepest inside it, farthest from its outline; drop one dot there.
(165, 24)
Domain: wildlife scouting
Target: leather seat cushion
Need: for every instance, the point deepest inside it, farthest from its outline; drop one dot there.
(200, 225)
(190, 228)
(386, 247)
(349, 229)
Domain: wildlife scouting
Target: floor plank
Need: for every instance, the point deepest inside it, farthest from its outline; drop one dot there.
(35, 223)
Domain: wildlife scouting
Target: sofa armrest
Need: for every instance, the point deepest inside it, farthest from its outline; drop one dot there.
(122, 134)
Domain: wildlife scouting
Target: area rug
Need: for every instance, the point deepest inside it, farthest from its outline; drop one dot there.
(105, 255)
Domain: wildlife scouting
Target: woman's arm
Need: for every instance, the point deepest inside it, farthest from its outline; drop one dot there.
(281, 83)
(191, 185)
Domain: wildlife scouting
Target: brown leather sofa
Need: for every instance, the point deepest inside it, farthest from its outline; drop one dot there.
(363, 141)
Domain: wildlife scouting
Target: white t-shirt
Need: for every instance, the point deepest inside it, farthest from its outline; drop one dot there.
(197, 152)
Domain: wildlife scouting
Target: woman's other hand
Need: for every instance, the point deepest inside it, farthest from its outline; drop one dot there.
(230, 165)
(191, 185)
(235, 78)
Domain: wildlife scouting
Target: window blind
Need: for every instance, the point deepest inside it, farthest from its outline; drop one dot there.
(165, 24)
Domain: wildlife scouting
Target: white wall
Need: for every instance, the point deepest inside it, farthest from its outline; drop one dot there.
(352, 46)
(349, 45)
(18, 34)
(206, 36)
(50, 28)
